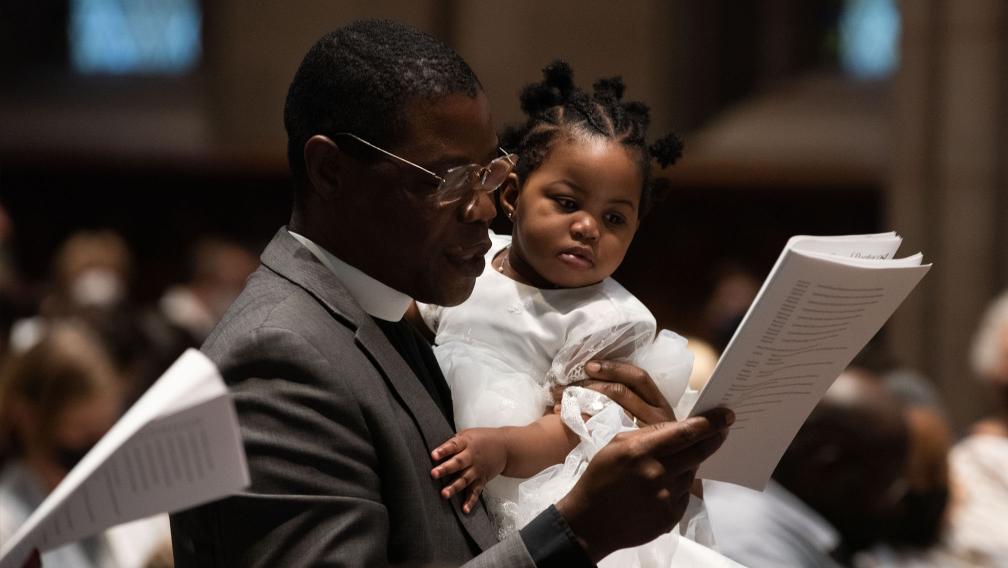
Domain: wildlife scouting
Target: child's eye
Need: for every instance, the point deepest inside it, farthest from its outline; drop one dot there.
(615, 219)
(566, 203)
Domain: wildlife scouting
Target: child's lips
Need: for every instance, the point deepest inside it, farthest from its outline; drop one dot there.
(580, 258)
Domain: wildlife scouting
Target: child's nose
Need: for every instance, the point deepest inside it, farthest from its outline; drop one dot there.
(584, 228)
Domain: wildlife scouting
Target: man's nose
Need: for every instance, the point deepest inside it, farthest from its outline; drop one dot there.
(480, 209)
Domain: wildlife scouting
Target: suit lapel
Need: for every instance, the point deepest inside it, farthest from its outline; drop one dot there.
(291, 260)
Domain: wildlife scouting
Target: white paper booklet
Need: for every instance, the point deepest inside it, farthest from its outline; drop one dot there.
(822, 302)
(177, 447)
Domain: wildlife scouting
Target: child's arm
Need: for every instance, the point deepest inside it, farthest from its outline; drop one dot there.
(481, 454)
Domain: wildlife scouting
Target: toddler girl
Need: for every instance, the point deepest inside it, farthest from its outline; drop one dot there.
(545, 305)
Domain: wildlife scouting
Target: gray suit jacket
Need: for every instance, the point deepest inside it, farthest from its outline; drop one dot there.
(338, 432)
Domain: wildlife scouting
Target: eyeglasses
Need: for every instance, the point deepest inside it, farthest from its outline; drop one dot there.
(460, 182)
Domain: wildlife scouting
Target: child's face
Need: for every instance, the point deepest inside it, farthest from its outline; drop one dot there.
(576, 214)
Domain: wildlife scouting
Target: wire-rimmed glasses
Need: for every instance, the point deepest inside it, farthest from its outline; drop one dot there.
(460, 182)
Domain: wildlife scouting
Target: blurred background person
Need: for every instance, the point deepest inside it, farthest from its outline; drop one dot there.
(91, 282)
(188, 311)
(734, 289)
(15, 299)
(835, 489)
(916, 532)
(89, 279)
(57, 399)
(979, 523)
(91, 274)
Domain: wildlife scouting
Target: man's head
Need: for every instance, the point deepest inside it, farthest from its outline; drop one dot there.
(360, 79)
(395, 88)
(848, 460)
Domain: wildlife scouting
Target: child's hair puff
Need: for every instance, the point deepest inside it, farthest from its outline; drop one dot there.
(557, 106)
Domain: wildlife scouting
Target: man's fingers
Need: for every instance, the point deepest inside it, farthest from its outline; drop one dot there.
(629, 400)
(672, 438)
(630, 387)
(679, 506)
(634, 378)
(454, 445)
(692, 456)
(721, 417)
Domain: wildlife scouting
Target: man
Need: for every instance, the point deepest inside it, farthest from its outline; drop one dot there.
(834, 491)
(339, 401)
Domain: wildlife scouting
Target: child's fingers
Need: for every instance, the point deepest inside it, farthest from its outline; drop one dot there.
(474, 492)
(457, 463)
(460, 483)
(454, 445)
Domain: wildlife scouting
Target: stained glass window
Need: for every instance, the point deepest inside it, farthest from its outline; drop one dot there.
(869, 38)
(135, 36)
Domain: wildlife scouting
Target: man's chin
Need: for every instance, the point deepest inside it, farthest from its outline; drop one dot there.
(449, 294)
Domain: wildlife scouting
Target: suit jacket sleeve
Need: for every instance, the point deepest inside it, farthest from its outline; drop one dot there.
(316, 495)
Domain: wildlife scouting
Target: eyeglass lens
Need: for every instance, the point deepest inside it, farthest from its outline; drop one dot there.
(460, 182)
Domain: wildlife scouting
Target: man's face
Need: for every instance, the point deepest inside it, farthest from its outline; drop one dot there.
(429, 251)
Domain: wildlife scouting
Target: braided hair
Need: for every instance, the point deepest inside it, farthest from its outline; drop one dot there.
(555, 107)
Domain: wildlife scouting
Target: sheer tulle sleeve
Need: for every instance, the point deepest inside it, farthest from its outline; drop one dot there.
(664, 357)
(669, 363)
(592, 416)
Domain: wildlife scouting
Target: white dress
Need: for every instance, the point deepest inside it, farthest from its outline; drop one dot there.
(504, 348)
(979, 469)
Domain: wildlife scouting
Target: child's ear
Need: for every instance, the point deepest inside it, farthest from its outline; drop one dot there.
(509, 195)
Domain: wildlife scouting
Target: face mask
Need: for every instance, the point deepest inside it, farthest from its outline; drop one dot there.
(69, 457)
(97, 288)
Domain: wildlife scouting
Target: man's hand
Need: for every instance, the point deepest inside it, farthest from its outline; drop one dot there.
(643, 479)
(630, 387)
(477, 456)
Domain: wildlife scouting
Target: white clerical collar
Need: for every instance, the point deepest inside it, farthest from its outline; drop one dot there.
(377, 299)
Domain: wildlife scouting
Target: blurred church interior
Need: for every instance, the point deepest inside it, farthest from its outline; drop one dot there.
(161, 120)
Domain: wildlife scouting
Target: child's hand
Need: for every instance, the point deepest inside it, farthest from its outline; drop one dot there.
(477, 456)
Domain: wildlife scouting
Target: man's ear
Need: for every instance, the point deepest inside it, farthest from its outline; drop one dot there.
(322, 162)
(509, 195)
